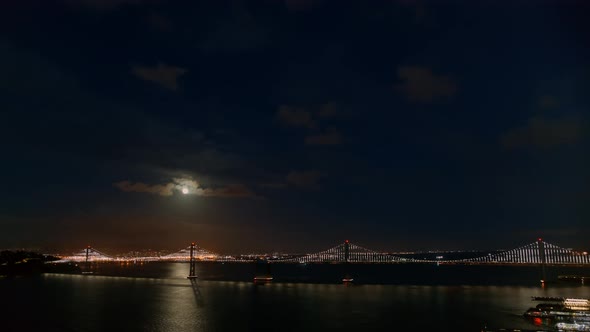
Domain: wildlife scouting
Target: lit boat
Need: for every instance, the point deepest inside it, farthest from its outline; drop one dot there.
(560, 308)
(577, 304)
(262, 280)
(572, 327)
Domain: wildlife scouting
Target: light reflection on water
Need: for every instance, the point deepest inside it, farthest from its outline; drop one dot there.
(100, 303)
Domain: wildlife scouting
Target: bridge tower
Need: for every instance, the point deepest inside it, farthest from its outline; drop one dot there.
(191, 273)
(87, 268)
(346, 251)
(347, 278)
(87, 253)
(542, 258)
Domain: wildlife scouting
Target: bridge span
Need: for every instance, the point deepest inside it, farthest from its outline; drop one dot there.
(538, 252)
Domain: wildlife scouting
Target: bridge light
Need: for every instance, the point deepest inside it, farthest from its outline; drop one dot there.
(540, 239)
(346, 241)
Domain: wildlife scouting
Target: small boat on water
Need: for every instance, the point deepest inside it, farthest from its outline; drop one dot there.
(262, 280)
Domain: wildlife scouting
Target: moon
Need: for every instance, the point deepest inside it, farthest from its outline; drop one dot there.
(184, 191)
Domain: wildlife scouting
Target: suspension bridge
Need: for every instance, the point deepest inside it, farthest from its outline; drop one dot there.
(538, 252)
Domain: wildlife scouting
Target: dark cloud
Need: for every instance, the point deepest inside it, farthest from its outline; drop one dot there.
(331, 137)
(295, 116)
(305, 179)
(140, 187)
(231, 191)
(164, 75)
(541, 132)
(187, 186)
(420, 85)
(306, 116)
(310, 118)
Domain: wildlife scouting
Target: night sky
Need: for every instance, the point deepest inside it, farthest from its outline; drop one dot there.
(294, 124)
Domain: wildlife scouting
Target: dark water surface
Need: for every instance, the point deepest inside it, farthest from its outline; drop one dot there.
(169, 302)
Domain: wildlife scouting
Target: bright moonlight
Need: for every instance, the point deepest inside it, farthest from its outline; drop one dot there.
(185, 191)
